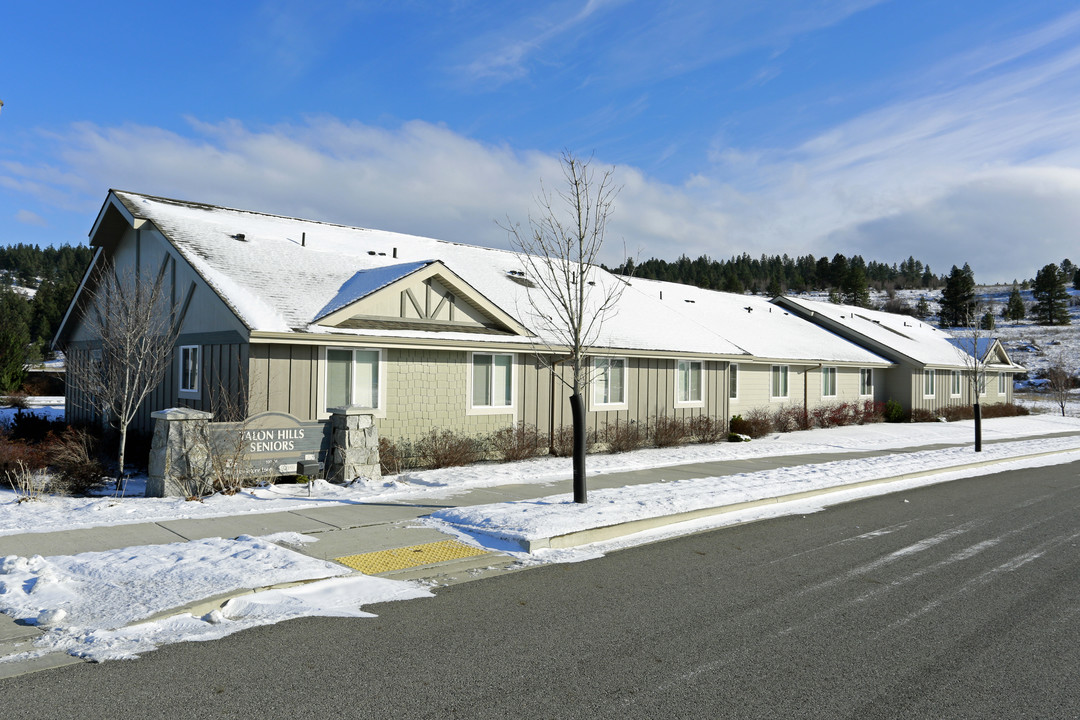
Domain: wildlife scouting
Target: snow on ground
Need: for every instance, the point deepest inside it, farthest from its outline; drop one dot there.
(556, 515)
(54, 513)
(116, 604)
(89, 601)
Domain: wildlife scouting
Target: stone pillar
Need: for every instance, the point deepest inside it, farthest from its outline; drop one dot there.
(354, 445)
(179, 453)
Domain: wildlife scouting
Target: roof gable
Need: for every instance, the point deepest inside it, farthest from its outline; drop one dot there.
(425, 295)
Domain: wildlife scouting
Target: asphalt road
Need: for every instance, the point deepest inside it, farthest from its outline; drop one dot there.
(955, 601)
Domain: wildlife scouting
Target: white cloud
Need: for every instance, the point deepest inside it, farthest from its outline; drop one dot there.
(31, 218)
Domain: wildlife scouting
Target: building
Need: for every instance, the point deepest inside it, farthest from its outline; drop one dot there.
(296, 316)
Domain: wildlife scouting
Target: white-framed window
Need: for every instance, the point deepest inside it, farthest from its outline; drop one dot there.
(1002, 387)
(609, 383)
(955, 383)
(733, 381)
(491, 383)
(982, 383)
(355, 377)
(190, 366)
(689, 384)
(778, 382)
(866, 382)
(828, 382)
(929, 389)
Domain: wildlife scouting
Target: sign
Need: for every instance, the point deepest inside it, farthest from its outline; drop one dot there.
(271, 443)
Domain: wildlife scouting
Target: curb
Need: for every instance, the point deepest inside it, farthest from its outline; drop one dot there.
(610, 532)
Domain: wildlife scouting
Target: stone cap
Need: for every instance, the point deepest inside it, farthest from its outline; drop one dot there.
(352, 410)
(181, 413)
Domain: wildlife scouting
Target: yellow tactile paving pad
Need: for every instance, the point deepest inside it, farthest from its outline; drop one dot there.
(373, 563)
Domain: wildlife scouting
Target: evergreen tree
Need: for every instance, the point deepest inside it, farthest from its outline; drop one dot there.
(1014, 309)
(1076, 279)
(958, 298)
(922, 308)
(1051, 297)
(853, 288)
(14, 341)
(987, 321)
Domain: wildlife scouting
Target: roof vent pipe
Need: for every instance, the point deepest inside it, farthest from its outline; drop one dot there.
(303, 239)
(395, 252)
(240, 237)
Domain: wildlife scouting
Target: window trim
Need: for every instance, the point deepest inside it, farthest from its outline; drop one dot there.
(956, 388)
(827, 371)
(1003, 389)
(866, 382)
(700, 402)
(733, 376)
(594, 404)
(510, 409)
(186, 392)
(787, 382)
(929, 383)
(324, 408)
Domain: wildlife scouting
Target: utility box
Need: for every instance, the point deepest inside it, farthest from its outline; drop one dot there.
(310, 468)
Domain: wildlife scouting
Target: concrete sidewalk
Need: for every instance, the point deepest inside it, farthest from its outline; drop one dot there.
(384, 538)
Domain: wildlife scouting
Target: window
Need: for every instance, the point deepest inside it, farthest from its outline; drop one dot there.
(954, 389)
(733, 381)
(688, 383)
(189, 370)
(492, 380)
(866, 382)
(982, 383)
(828, 382)
(928, 383)
(352, 378)
(609, 381)
(778, 384)
(1002, 387)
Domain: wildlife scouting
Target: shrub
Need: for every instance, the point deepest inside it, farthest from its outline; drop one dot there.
(871, 412)
(440, 449)
(562, 443)
(33, 428)
(738, 437)
(76, 464)
(706, 429)
(1004, 410)
(790, 418)
(893, 411)
(760, 421)
(17, 454)
(669, 431)
(516, 443)
(836, 414)
(391, 456)
(923, 415)
(622, 437)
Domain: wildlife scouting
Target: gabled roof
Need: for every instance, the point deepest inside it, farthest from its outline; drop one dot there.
(760, 328)
(898, 337)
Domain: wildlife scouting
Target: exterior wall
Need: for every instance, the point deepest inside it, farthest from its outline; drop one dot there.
(207, 322)
(429, 388)
(804, 386)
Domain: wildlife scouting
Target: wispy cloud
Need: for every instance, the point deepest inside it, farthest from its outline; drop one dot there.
(27, 217)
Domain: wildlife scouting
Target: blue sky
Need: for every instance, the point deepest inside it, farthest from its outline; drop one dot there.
(949, 131)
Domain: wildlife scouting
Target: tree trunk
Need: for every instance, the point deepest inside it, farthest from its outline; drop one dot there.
(577, 412)
(120, 489)
(978, 427)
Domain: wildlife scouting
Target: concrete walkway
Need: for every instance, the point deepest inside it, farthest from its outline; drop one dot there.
(368, 528)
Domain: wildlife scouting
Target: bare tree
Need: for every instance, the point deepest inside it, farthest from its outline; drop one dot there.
(132, 327)
(974, 340)
(1059, 381)
(572, 297)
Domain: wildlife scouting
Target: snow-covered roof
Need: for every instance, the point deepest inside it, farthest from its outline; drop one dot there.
(759, 327)
(285, 274)
(915, 339)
